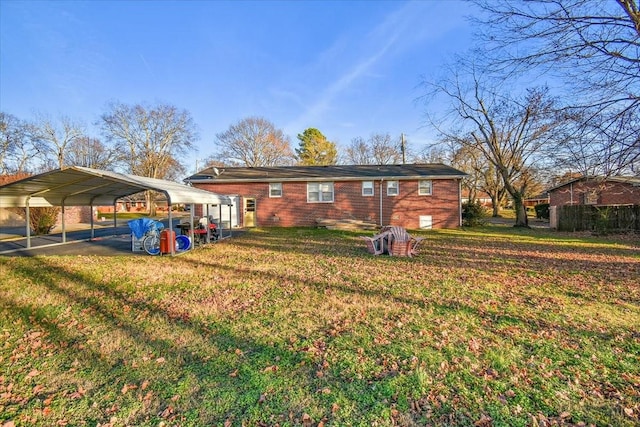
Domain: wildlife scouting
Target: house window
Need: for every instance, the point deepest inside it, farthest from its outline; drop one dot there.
(320, 192)
(393, 188)
(367, 188)
(275, 189)
(424, 187)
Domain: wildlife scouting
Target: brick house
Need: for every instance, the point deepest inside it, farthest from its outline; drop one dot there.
(413, 196)
(615, 190)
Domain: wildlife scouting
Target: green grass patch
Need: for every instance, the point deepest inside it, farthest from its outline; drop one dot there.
(488, 326)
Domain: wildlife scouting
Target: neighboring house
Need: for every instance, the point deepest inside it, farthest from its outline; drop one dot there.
(536, 200)
(615, 190)
(481, 196)
(135, 203)
(412, 196)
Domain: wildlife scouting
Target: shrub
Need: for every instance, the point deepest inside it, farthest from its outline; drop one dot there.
(473, 214)
(542, 210)
(42, 219)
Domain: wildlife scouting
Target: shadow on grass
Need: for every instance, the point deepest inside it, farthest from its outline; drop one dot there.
(529, 259)
(200, 354)
(180, 361)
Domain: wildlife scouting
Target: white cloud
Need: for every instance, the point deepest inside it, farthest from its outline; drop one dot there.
(409, 25)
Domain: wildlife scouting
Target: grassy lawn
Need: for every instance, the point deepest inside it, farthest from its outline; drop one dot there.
(493, 326)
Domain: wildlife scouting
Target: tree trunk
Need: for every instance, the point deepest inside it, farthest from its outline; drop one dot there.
(521, 211)
(151, 203)
(495, 205)
(518, 200)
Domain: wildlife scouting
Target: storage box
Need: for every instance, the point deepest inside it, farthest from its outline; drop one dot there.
(136, 244)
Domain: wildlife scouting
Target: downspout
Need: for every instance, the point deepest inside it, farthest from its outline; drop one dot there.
(571, 193)
(28, 222)
(459, 203)
(381, 222)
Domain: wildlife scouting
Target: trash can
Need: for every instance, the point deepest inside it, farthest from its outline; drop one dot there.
(167, 241)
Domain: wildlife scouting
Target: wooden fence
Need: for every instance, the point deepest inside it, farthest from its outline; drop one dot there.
(598, 218)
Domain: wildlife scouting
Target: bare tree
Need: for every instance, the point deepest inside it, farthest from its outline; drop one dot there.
(91, 153)
(16, 149)
(255, 141)
(53, 137)
(433, 153)
(358, 152)
(482, 175)
(511, 133)
(593, 47)
(151, 139)
(379, 149)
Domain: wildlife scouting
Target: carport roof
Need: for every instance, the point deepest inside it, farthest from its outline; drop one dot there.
(80, 186)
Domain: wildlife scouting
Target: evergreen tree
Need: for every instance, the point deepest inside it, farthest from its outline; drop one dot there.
(315, 149)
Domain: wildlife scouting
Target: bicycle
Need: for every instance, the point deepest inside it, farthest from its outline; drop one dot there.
(151, 240)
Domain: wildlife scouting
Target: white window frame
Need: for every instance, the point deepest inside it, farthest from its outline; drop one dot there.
(420, 188)
(368, 185)
(393, 185)
(322, 189)
(277, 186)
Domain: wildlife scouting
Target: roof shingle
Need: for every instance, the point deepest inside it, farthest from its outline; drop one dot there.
(334, 172)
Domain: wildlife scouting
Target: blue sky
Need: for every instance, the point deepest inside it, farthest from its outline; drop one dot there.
(347, 68)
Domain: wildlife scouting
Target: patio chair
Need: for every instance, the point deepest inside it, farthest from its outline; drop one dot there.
(376, 245)
(401, 242)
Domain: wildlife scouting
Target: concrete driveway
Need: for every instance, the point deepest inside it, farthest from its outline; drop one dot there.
(107, 241)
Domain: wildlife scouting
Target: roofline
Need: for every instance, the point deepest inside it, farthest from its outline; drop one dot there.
(633, 180)
(333, 178)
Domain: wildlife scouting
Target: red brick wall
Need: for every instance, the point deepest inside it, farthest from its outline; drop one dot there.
(607, 193)
(74, 215)
(404, 209)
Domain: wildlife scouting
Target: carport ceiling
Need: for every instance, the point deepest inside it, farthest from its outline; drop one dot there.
(80, 186)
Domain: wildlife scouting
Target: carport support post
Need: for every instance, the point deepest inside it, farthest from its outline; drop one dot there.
(208, 226)
(64, 229)
(230, 219)
(191, 226)
(115, 215)
(93, 234)
(28, 215)
(172, 244)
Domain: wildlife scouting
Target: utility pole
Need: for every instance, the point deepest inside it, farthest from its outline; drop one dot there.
(403, 148)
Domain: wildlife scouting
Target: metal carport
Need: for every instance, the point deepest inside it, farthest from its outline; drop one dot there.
(80, 186)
